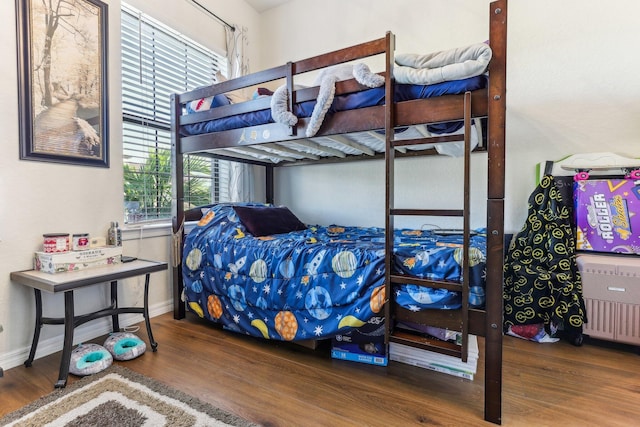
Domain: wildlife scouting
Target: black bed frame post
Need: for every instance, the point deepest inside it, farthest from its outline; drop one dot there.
(269, 183)
(292, 94)
(495, 211)
(177, 209)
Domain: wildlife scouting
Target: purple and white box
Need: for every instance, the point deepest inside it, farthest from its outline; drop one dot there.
(607, 213)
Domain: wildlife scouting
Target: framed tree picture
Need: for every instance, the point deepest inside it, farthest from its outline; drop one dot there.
(62, 73)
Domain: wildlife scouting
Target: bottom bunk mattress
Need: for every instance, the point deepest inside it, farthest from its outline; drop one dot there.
(258, 270)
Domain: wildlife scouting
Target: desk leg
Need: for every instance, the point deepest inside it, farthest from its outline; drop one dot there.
(69, 316)
(36, 330)
(115, 323)
(154, 345)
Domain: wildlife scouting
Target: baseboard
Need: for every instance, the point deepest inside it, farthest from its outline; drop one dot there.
(83, 333)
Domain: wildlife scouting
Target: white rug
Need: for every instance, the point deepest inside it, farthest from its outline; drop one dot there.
(120, 397)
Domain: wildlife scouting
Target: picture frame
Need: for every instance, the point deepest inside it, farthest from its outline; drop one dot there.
(62, 81)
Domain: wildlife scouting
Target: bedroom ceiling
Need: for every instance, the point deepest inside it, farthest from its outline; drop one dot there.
(262, 5)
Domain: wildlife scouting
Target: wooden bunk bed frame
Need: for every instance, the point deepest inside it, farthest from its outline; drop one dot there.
(489, 102)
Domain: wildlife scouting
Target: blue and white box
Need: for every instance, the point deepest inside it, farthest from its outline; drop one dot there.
(364, 344)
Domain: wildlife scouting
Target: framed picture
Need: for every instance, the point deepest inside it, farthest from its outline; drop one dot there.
(62, 73)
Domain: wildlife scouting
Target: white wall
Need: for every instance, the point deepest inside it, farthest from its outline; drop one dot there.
(38, 197)
(571, 87)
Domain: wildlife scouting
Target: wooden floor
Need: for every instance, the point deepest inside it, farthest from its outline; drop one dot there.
(280, 384)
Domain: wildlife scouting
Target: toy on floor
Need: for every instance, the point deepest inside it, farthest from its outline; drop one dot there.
(87, 359)
(125, 345)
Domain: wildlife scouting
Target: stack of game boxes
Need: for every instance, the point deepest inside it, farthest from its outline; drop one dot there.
(438, 362)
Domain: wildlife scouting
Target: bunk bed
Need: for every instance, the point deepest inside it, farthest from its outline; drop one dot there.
(376, 130)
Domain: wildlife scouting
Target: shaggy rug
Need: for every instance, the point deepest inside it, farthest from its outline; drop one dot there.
(120, 397)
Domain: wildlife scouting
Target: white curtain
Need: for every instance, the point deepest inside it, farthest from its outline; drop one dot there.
(240, 174)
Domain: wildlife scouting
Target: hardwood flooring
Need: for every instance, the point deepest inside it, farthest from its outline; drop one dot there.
(282, 384)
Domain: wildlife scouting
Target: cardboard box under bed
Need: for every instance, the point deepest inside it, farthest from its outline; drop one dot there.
(364, 344)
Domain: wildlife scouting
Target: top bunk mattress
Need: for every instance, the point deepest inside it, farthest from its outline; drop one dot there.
(350, 101)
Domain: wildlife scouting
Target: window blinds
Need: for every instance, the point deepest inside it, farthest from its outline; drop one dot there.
(156, 62)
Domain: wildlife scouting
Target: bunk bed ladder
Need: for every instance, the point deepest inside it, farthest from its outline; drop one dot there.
(456, 320)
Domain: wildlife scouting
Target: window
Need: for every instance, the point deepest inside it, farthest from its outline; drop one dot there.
(156, 62)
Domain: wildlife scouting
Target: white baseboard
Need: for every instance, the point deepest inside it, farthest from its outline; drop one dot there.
(83, 333)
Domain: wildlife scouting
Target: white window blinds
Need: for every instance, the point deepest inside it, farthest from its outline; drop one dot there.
(156, 62)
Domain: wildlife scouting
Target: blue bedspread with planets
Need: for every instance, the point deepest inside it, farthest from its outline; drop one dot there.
(314, 283)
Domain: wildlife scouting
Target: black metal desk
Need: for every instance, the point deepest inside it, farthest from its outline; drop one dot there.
(67, 282)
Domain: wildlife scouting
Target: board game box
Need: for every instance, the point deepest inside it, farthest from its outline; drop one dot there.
(607, 214)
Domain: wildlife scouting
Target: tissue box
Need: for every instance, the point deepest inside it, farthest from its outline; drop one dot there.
(607, 213)
(364, 344)
(76, 260)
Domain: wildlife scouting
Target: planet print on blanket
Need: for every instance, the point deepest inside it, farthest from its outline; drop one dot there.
(236, 293)
(206, 219)
(125, 345)
(258, 271)
(378, 298)
(344, 264)
(475, 256)
(287, 269)
(318, 303)
(196, 286)
(214, 306)
(194, 258)
(286, 325)
(87, 359)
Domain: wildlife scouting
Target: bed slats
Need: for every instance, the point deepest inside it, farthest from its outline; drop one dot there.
(286, 150)
(317, 147)
(339, 139)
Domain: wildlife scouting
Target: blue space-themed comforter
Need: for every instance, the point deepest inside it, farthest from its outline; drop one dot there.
(314, 283)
